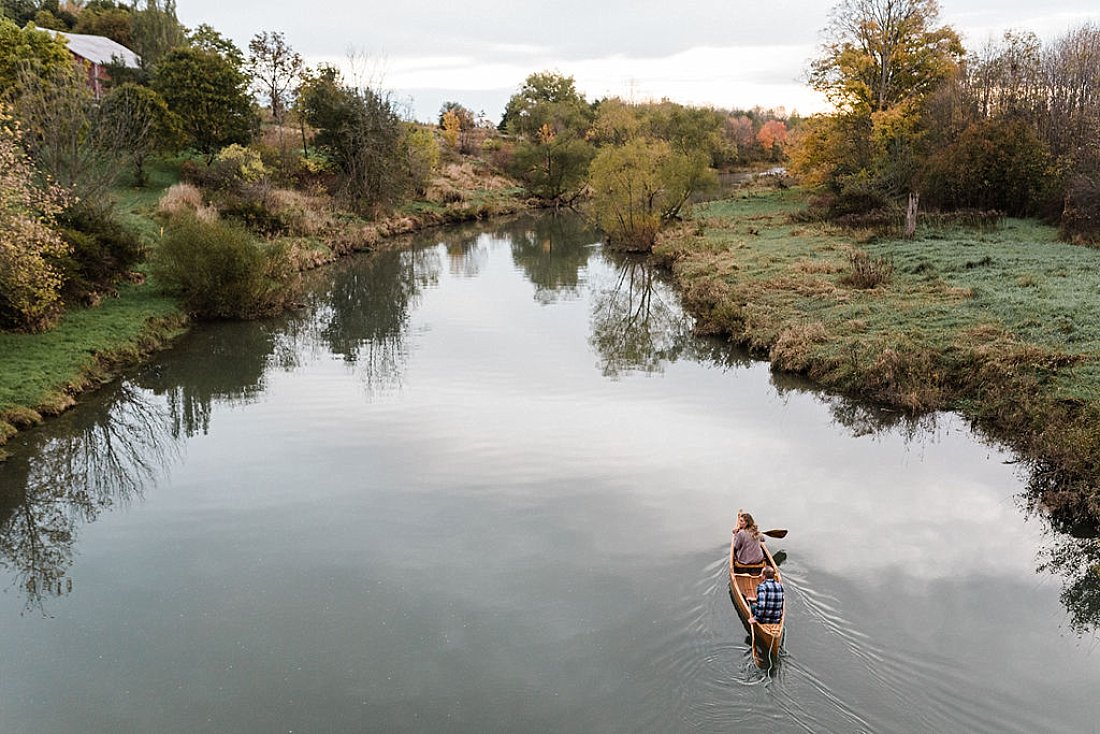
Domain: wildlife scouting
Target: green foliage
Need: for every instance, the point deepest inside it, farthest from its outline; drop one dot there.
(422, 157)
(156, 30)
(206, 38)
(101, 250)
(19, 11)
(109, 20)
(626, 186)
(139, 122)
(210, 95)
(553, 167)
(362, 134)
(275, 67)
(220, 271)
(28, 50)
(546, 99)
(994, 164)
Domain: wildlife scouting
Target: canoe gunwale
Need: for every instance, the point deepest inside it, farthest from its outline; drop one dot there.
(769, 637)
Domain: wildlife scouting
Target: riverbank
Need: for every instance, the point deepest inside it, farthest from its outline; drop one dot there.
(42, 374)
(1000, 324)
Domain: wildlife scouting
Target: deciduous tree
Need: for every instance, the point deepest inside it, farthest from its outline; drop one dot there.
(210, 96)
(275, 68)
(29, 284)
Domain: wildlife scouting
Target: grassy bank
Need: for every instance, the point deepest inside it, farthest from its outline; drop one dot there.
(1001, 324)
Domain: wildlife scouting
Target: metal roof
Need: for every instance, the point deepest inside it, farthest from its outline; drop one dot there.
(99, 49)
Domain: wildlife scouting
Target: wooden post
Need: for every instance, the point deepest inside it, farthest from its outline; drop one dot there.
(911, 214)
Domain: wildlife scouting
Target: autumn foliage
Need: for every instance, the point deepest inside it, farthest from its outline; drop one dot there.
(30, 284)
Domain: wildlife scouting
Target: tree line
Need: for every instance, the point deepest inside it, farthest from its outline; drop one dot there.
(1010, 128)
(197, 93)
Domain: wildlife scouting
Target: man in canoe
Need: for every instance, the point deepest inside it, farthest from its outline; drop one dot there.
(767, 608)
(746, 541)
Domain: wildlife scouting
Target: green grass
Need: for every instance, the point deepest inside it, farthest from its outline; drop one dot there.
(35, 366)
(137, 207)
(1002, 324)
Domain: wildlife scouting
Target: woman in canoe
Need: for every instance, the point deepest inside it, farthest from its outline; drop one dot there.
(746, 541)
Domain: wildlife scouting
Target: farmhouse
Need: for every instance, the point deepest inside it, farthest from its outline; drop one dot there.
(94, 53)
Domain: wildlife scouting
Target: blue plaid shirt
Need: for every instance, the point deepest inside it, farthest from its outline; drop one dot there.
(768, 607)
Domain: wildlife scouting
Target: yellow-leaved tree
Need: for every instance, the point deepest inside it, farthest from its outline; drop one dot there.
(30, 285)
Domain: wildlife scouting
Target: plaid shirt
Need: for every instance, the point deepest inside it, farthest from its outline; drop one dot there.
(768, 608)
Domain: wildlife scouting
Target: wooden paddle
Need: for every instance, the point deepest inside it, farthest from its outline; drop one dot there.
(777, 533)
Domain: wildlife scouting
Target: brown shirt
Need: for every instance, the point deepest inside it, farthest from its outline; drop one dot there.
(746, 549)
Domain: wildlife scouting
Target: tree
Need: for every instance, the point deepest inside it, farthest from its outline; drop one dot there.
(882, 60)
(464, 116)
(552, 117)
(210, 96)
(29, 283)
(109, 20)
(880, 53)
(452, 126)
(206, 38)
(773, 137)
(275, 67)
(553, 166)
(156, 31)
(546, 98)
(57, 112)
(139, 121)
(361, 132)
(30, 50)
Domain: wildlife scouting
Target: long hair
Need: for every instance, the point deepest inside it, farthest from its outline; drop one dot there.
(750, 525)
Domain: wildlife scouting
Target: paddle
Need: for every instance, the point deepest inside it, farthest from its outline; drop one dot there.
(777, 533)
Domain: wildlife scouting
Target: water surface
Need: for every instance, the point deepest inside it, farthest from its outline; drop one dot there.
(486, 484)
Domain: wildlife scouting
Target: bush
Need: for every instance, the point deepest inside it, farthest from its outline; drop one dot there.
(179, 199)
(995, 164)
(1081, 216)
(101, 250)
(220, 271)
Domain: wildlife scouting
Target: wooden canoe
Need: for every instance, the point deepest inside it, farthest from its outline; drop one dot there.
(743, 582)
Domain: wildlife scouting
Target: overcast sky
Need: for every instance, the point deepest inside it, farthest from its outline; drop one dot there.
(726, 53)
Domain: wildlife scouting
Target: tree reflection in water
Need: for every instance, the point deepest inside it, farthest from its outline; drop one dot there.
(552, 251)
(362, 313)
(1073, 551)
(207, 367)
(97, 460)
(637, 323)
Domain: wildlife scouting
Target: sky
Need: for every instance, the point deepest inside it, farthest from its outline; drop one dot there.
(722, 53)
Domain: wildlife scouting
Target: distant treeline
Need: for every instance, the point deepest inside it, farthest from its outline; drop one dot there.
(1013, 126)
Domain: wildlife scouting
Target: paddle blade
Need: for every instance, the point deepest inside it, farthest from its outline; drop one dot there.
(779, 533)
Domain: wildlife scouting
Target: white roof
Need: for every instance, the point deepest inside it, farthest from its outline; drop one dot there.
(99, 49)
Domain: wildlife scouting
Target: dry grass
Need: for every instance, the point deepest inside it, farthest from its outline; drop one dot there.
(183, 198)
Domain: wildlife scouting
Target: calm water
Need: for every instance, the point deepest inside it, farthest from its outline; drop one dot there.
(486, 484)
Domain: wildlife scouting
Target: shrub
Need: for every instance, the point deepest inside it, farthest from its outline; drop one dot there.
(220, 271)
(29, 246)
(101, 250)
(995, 164)
(1081, 216)
(180, 198)
(867, 271)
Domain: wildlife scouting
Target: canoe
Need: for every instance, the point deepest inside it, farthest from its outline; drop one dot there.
(743, 583)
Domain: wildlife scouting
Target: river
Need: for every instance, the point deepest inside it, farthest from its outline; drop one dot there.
(486, 483)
